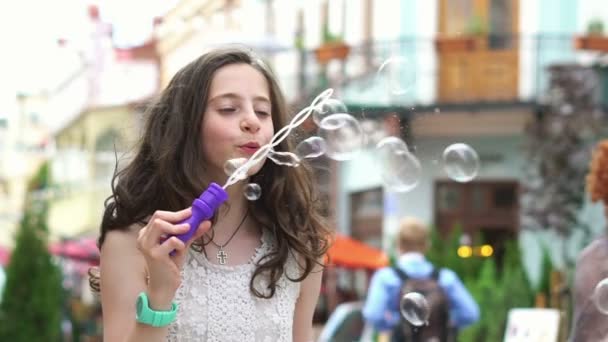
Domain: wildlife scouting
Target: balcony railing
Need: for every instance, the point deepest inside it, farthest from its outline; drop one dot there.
(494, 70)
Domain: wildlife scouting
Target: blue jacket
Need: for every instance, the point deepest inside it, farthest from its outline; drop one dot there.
(381, 308)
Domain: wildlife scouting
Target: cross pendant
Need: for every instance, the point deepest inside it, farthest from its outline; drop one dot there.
(221, 256)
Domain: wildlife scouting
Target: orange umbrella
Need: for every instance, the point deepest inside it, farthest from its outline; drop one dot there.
(350, 253)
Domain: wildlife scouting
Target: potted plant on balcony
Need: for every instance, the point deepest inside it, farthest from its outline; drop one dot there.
(472, 38)
(594, 39)
(333, 47)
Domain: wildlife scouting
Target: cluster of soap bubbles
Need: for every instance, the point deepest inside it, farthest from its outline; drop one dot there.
(237, 169)
(340, 137)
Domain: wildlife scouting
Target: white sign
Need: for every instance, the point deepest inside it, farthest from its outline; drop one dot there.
(532, 325)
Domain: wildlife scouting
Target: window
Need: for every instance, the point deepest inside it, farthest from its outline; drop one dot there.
(458, 14)
(501, 13)
(367, 208)
(477, 206)
(478, 200)
(449, 197)
(503, 197)
(107, 146)
(367, 203)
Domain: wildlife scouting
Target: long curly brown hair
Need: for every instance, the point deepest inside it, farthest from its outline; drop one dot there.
(597, 178)
(165, 173)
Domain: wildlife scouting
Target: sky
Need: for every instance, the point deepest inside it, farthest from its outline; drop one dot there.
(29, 29)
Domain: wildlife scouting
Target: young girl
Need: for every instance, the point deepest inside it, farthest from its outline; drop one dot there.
(253, 273)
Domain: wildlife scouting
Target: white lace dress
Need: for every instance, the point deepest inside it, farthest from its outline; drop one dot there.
(215, 303)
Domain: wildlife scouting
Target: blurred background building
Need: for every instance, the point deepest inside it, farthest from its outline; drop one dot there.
(470, 71)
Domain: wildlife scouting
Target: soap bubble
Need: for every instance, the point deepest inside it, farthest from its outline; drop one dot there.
(232, 165)
(400, 169)
(398, 74)
(460, 162)
(373, 131)
(312, 147)
(327, 108)
(600, 296)
(253, 191)
(284, 158)
(343, 136)
(415, 309)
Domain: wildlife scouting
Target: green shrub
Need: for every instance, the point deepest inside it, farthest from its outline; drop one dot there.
(544, 285)
(33, 296)
(595, 27)
(496, 294)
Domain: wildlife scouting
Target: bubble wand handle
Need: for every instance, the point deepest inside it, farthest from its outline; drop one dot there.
(203, 209)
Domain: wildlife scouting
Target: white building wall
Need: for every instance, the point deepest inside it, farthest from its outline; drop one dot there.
(426, 62)
(394, 20)
(355, 16)
(528, 28)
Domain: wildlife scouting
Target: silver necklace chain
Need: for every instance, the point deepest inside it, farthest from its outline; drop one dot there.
(221, 255)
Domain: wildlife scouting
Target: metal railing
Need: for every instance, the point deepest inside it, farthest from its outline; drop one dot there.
(492, 70)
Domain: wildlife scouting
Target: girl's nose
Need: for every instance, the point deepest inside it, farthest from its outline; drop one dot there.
(250, 122)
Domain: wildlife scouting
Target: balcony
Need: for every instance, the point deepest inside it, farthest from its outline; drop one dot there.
(485, 72)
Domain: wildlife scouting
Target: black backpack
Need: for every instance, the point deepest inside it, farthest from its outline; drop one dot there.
(438, 329)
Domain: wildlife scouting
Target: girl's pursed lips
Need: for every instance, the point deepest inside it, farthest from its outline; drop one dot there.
(251, 144)
(250, 147)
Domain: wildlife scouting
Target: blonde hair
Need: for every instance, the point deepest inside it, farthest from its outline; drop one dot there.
(413, 235)
(597, 178)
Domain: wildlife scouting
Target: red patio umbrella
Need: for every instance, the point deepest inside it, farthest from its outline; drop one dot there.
(84, 249)
(5, 255)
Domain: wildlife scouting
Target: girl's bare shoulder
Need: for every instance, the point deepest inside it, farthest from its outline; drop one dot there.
(121, 261)
(121, 238)
(120, 246)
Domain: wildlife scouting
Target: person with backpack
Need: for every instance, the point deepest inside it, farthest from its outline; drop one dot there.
(449, 304)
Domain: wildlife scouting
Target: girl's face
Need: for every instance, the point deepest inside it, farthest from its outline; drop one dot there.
(237, 120)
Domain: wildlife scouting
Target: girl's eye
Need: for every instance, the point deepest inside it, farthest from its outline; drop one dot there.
(262, 113)
(227, 110)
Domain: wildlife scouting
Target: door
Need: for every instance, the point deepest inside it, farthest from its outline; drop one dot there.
(486, 208)
(481, 62)
(367, 214)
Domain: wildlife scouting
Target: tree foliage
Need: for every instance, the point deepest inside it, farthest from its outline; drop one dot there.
(32, 300)
(558, 146)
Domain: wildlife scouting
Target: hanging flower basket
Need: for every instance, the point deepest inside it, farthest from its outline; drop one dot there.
(333, 50)
(457, 44)
(597, 43)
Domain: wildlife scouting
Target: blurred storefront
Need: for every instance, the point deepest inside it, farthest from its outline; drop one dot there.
(76, 257)
(471, 72)
(350, 259)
